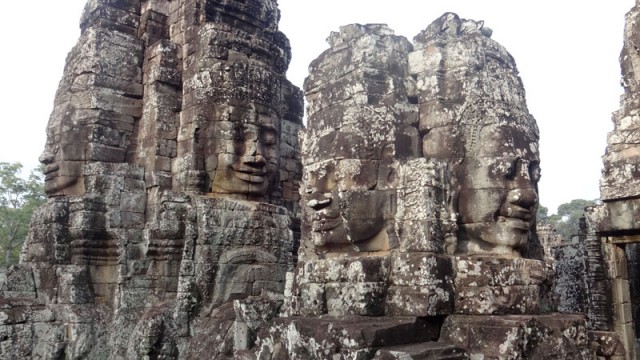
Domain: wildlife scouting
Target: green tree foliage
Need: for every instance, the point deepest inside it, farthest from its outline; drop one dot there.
(543, 214)
(567, 219)
(19, 198)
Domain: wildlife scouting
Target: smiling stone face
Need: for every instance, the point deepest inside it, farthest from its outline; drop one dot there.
(243, 156)
(478, 121)
(342, 205)
(65, 153)
(497, 197)
(62, 176)
(361, 126)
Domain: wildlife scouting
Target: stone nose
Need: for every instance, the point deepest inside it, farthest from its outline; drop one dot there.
(47, 157)
(253, 148)
(524, 198)
(256, 161)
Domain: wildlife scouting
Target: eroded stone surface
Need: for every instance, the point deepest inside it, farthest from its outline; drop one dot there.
(174, 174)
(342, 338)
(172, 170)
(620, 176)
(473, 113)
(519, 337)
(494, 286)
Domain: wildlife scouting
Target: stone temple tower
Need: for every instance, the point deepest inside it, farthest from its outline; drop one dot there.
(172, 170)
(192, 216)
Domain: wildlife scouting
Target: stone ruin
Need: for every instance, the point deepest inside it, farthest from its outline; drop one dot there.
(191, 214)
(601, 276)
(172, 170)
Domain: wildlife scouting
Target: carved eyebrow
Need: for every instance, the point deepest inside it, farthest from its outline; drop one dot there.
(270, 127)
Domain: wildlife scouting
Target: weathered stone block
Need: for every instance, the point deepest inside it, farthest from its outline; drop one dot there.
(313, 338)
(421, 236)
(559, 335)
(627, 336)
(87, 220)
(74, 285)
(620, 291)
(425, 350)
(133, 202)
(313, 300)
(19, 278)
(364, 299)
(421, 269)
(99, 152)
(418, 301)
(622, 312)
(491, 271)
(15, 314)
(49, 341)
(608, 344)
(497, 300)
(132, 220)
(344, 269)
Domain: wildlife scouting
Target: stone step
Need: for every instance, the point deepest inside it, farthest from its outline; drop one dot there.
(349, 334)
(422, 351)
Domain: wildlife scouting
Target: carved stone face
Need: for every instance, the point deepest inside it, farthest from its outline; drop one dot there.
(342, 207)
(63, 163)
(497, 198)
(245, 159)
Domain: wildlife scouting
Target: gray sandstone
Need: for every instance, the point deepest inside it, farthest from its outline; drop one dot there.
(192, 215)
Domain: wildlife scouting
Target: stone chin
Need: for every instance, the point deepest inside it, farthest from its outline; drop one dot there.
(327, 231)
(59, 186)
(56, 184)
(501, 238)
(323, 236)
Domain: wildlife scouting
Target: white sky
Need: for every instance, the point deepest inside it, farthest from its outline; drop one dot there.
(566, 50)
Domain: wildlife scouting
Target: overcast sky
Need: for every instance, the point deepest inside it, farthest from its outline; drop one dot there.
(567, 53)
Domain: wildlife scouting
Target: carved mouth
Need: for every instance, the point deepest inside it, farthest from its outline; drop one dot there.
(50, 171)
(323, 222)
(516, 217)
(250, 174)
(514, 222)
(249, 177)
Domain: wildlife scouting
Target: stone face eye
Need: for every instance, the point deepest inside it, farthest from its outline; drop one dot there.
(238, 132)
(511, 170)
(534, 171)
(268, 137)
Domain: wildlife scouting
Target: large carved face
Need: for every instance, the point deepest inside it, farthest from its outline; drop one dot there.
(497, 197)
(245, 159)
(64, 156)
(343, 206)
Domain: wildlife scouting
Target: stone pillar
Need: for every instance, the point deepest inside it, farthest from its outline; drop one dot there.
(616, 221)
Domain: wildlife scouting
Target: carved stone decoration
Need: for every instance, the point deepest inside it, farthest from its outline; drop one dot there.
(473, 114)
(98, 99)
(179, 193)
(373, 209)
(172, 167)
(234, 101)
(349, 145)
(520, 337)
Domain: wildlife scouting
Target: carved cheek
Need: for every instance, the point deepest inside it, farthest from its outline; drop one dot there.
(364, 212)
(480, 205)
